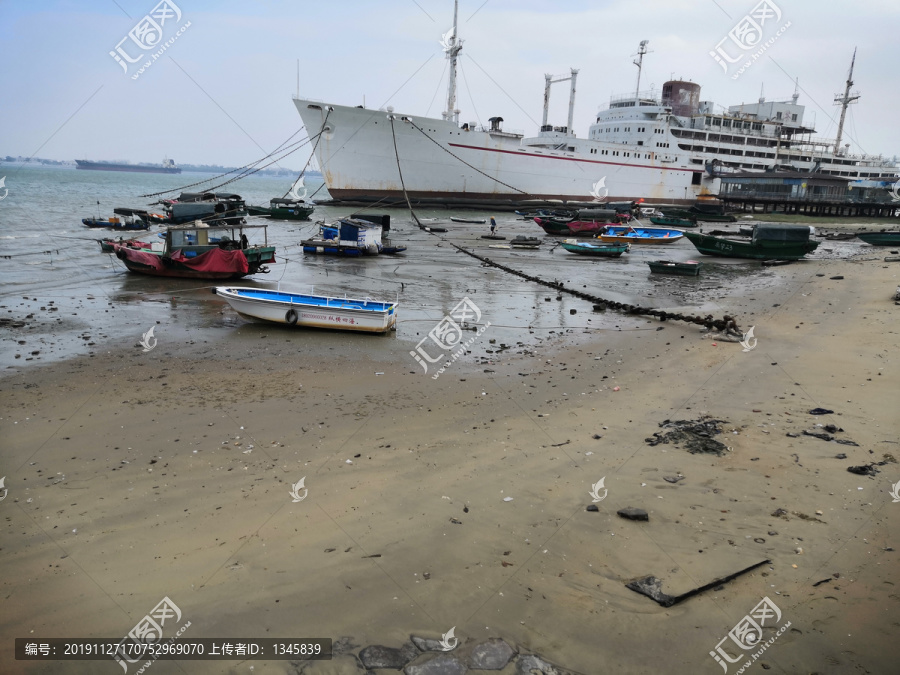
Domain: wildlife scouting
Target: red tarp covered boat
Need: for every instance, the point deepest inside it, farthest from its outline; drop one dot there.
(199, 251)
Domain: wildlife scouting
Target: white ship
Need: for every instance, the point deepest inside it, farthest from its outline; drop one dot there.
(665, 148)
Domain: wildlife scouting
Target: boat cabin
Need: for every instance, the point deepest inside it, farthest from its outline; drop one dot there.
(132, 216)
(199, 237)
(284, 203)
(189, 206)
(780, 233)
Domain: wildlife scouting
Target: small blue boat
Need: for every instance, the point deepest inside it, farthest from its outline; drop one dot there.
(312, 311)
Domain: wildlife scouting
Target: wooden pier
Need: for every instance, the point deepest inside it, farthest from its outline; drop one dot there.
(809, 194)
(805, 207)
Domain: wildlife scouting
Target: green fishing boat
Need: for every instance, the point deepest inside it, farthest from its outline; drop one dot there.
(284, 209)
(768, 242)
(714, 217)
(601, 250)
(711, 213)
(673, 221)
(882, 238)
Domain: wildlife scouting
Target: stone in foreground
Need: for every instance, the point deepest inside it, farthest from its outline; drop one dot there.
(378, 656)
(632, 513)
(441, 664)
(491, 655)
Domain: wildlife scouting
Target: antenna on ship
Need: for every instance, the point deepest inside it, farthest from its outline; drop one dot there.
(298, 78)
(845, 100)
(452, 46)
(642, 49)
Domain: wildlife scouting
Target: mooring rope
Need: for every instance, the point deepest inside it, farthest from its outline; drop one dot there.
(416, 127)
(726, 323)
(242, 168)
(311, 155)
(402, 184)
(260, 168)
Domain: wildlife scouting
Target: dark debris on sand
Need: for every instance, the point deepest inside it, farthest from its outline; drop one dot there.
(696, 435)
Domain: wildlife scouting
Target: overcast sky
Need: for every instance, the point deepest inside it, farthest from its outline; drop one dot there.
(221, 92)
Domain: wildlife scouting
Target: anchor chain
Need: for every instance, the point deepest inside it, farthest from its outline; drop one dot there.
(726, 323)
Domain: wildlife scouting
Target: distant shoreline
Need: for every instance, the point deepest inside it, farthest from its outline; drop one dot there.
(193, 168)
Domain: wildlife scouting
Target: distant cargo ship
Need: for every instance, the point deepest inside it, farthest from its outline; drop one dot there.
(168, 166)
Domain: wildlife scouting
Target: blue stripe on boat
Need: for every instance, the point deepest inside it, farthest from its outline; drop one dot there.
(313, 300)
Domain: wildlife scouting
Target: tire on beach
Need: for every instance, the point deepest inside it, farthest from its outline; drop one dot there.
(291, 316)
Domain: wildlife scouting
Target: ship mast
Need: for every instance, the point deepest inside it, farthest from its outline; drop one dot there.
(845, 100)
(452, 47)
(640, 64)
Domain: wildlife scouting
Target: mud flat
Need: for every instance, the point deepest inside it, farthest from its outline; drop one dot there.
(462, 501)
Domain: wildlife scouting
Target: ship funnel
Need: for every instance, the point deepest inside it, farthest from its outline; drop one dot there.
(682, 96)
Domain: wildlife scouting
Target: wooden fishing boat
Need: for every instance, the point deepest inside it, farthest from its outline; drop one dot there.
(676, 213)
(882, 238)
(132, 219)
(115, 224)
(520, 241)
(673, 221)
(688, 268)
(578, 228)
(475, 221)
(713, 217)
(640, 235)
(711, 213)
(201, 251)
(768, 242)
(546, 213)
(600, 250)
(311, 311)
(211, 207)
(284, 209)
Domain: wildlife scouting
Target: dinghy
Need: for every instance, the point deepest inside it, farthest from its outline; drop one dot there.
(311, 311)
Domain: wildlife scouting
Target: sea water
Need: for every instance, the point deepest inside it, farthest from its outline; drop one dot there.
(73, 299)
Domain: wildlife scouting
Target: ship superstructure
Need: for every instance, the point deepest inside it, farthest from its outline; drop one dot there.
(662, 147)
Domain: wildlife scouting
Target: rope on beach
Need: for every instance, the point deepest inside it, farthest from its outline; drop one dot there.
(726, 323)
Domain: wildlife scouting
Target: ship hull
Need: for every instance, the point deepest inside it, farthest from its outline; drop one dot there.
(440, 163)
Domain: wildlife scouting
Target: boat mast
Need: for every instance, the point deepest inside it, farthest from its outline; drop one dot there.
(845, 100)
(642, 49)
(452, 47)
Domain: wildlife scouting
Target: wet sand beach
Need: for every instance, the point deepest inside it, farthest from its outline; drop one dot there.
(461, 501)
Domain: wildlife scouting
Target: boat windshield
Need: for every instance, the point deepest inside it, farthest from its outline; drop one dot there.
(200, 237)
